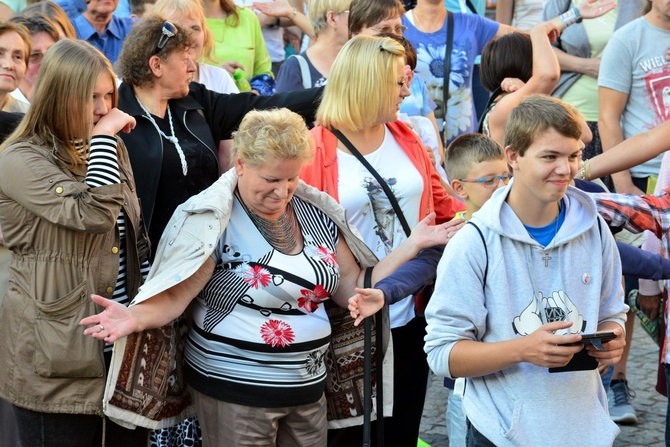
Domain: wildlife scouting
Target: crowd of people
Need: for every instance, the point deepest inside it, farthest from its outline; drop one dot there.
(202, 201)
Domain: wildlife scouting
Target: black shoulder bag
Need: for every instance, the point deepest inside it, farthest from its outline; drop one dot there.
(380, 180)
(379, 344)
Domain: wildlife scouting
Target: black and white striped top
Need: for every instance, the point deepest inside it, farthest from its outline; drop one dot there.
(103, 169)
(260, 330)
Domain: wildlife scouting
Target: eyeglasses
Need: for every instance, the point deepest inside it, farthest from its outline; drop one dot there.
(169, 30)
(398, 30)
(491, 182)
(36, 58)
(402, 83)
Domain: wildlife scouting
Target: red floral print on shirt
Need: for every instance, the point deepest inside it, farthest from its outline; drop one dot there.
(277, 333)
(326, 255)
(256, 276)
(312, 298)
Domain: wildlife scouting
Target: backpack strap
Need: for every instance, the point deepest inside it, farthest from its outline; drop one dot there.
(489, 105)
(304, 71)
(486, 269)
(472, 8)
(447, 74)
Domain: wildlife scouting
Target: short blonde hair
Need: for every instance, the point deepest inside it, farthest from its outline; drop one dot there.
(318, 12)
(187, 9)
(362, 82)
(61, 111)
(271, 135)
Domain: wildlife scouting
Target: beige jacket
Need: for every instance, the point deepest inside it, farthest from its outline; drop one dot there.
(65, 243)
(187, 242)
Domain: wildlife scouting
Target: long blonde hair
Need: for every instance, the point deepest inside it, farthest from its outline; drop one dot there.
(362, 83)
(61, 110)
(188, 9)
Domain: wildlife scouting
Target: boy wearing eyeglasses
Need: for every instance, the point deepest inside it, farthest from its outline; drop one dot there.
(512, 302)
(476, 167)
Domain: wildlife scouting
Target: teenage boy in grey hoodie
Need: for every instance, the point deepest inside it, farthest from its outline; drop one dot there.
(508, 304)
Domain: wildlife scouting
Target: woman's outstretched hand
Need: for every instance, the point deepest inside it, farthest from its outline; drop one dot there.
(276, 8)
(366, 302)
(113, 323)
(591, 9)
(425, 234)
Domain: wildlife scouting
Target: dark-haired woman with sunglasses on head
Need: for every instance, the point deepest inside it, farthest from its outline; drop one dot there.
(174, 148)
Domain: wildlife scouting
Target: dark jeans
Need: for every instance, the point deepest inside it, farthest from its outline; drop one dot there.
(73, 430)
(476, 439)
(9, 433)
(410, 380)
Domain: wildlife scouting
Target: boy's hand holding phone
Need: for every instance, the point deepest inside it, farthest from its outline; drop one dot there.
(544, 348)
(613, 349)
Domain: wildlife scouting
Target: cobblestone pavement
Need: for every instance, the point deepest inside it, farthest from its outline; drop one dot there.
(650, 406)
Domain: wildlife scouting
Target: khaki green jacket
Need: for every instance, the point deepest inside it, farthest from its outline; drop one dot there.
(65, 244)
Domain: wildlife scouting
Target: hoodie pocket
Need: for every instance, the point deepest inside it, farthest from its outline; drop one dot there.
(61, 348)
(562, 421)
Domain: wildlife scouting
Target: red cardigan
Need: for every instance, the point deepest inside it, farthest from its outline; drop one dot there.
(322, 172)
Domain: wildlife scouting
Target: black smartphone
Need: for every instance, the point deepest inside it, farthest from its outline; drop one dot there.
(595, 339)
(582, 361)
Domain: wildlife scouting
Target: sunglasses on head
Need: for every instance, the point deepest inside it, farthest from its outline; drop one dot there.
(169, 30)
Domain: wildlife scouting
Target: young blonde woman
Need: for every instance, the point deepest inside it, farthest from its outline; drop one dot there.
(367, 83)
(70, 216)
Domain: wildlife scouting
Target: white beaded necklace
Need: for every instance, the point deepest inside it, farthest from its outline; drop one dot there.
(172, 138)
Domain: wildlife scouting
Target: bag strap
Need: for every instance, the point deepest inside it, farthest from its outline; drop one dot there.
(472, 8)
(304, 71)
(487, 109)
(380, 180)
(447, 74)
(486, 269)
(367, 368)
(379, 375)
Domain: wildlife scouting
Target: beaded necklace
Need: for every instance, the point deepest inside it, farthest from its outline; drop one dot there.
(172, 138)
(280, 233)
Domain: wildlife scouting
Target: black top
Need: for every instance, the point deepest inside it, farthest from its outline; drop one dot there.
(202, 115)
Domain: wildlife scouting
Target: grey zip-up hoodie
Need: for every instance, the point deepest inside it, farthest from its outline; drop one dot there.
(577, 278)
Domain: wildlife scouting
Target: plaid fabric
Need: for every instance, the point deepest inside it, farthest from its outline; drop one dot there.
(638, 213)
